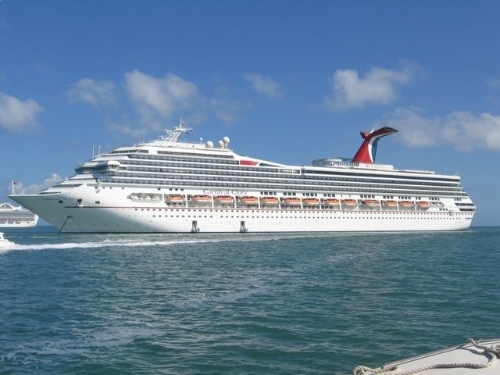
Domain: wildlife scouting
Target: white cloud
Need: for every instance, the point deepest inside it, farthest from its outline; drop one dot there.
(19, 188)
(159, 97)
(16, 115)
(156, 100)
(264, 85)
(467, 131)
(461, 130)
(95, 93)
(377, 87)
(415, 129)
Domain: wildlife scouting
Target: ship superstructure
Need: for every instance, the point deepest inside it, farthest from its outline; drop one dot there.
(166, 185)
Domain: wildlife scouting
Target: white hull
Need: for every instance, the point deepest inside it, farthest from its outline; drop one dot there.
(472, 358)
(116, 214)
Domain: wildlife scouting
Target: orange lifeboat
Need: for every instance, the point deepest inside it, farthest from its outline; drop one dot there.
(423, 205)
(224, 199)
(371, 202)
(331, 202)
(249, 200)
(175, 198)
(310, 201)
(201, 198)
(406, 204)
(269, 200)
(390, 204)
(349, 203)
(292, 201)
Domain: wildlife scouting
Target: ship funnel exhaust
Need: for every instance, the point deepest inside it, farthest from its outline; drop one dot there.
(368, 150)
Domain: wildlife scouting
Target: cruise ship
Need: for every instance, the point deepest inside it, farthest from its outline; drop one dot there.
(167, 185)
(16, 217)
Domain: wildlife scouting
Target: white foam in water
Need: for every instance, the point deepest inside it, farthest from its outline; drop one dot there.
(124, 242)
(100, 244)
(179, 239)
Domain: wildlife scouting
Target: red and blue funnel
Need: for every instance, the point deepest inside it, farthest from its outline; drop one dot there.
(368, 150)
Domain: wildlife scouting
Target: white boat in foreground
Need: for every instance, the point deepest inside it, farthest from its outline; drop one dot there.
(473, 357)
(5, 243)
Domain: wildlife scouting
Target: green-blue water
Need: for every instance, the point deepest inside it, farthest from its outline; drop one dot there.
(241, 304)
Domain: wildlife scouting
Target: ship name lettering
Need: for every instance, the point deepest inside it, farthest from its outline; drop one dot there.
(224, 192)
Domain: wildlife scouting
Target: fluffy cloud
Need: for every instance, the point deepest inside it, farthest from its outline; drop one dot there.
(264, 85)
(162, 97)
(461, 130)
(18, 116)
(95, 93)
(19, 188)
(157, 99)
(377, 87)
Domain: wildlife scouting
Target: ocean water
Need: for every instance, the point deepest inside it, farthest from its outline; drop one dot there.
(241, 304)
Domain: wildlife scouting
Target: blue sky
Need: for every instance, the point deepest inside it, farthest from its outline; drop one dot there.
(286, 81)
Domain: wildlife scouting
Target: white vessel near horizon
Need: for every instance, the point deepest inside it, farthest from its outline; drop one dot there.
(16, 216)
(166, 185)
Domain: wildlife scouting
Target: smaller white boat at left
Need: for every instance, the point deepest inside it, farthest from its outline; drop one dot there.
(5, 243)
(16, 216)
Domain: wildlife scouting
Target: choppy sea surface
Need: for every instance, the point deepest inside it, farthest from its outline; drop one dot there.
(241, 304)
